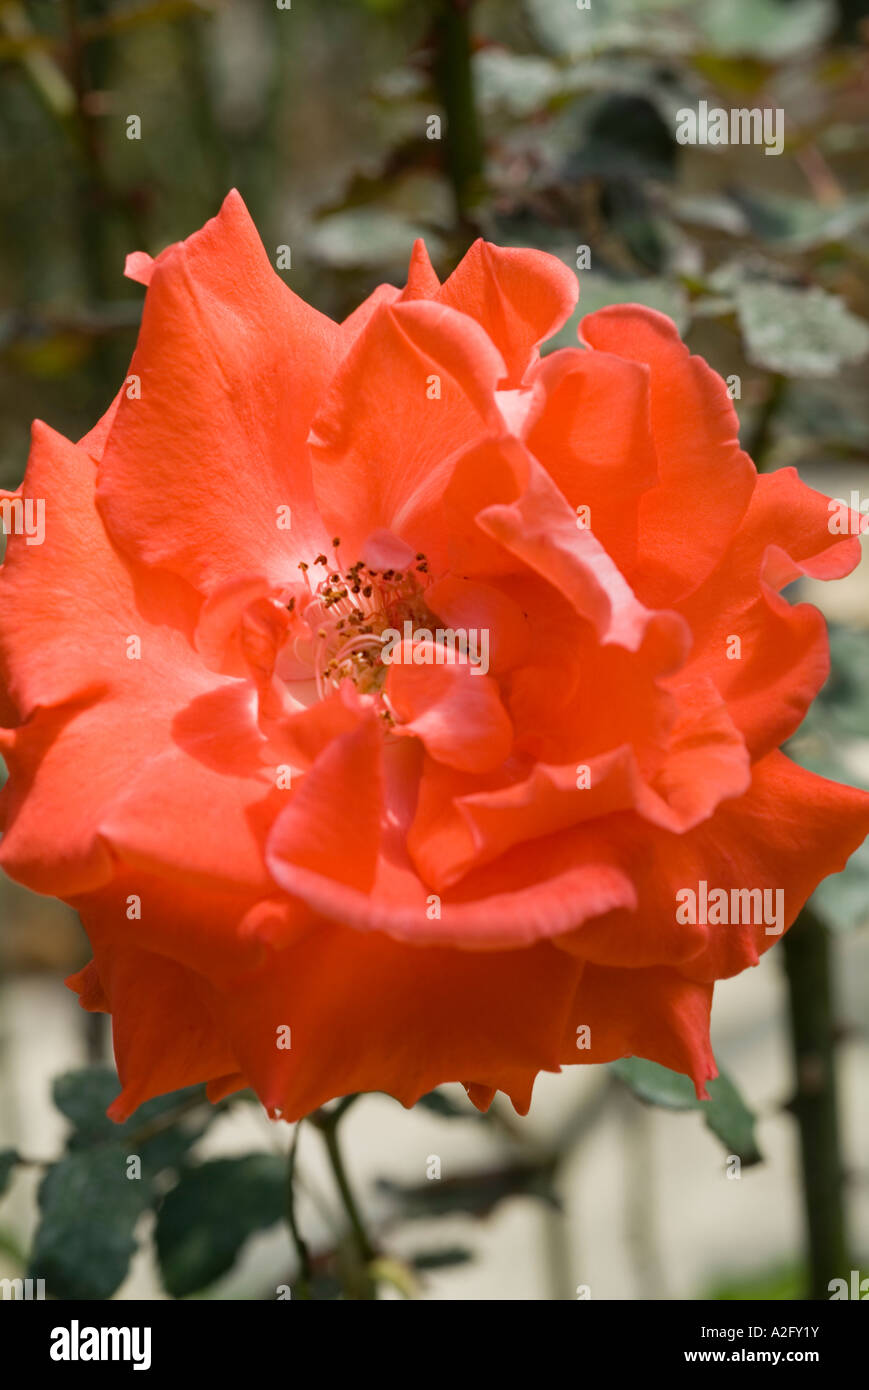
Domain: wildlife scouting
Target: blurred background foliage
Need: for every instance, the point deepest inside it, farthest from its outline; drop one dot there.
(557, 131)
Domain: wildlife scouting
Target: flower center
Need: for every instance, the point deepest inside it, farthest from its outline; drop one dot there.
(350, 610)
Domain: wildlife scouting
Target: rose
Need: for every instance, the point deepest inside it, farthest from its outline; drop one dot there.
(312, 871)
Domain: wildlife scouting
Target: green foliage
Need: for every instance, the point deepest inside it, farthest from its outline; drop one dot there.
(843, 898)
(799, 332)
(725, 1113)
(785, 1282)
(9, 1158)
(88, 1212)
(762, 260)
(206, 1219)
(840, 713)
(598, 291)
(368, 237)
(605, 24)
(439, 1103)
(446, 1256)
(516, 83)
(474, 1193)
(84, 1096)
(92, 1198)
(770, 29)
(836, 723)
(730, 1120)
(798, 224)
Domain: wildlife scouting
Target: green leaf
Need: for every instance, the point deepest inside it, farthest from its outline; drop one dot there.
(441, 1258)
(833, 741)
(843, 899)
(725, 1113)
(369, 237)
(844, 698)
(799, 224)
(717, 211)
(89, 1205)
(439, 1103)
(89, 1209)
(597, 291)
(84, 1096)
(206, 1219)
(518, 84)
(8, 1160)
(475, 1193)
(655, 1084)
(772, 29)
(730, 1120)
(609, 24)
(798, 332)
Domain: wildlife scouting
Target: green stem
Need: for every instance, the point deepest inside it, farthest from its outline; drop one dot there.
(303, 1283)
(361, 1284)
(360, 1235)
(808, 965)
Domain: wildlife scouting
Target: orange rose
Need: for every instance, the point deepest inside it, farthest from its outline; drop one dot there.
(383, 696)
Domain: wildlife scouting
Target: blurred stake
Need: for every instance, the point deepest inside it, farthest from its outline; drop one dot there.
(808, 965)
(95, 1035)
(761, 436)
(454, 82)
(94, 197)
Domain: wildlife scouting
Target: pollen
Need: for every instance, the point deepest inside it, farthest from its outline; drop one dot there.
(350, 610)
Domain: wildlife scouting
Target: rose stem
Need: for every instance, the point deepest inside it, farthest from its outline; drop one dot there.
(327, 1122)
(303, 1282)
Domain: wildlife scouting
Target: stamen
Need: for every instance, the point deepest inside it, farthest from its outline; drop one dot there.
(359, 605)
